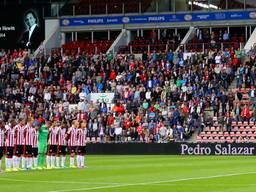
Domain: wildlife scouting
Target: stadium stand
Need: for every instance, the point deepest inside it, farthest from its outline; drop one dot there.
(150, 43)
(160, 98)
(164, 96)
(99, 46)
(216, 39)
(95, 7)
(238, 125)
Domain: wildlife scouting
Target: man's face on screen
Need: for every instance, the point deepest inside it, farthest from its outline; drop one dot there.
(30, 20)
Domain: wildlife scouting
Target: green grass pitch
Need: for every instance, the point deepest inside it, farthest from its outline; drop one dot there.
(141, 173)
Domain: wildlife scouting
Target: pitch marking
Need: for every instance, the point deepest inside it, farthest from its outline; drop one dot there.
(58, 182)
(153, 182)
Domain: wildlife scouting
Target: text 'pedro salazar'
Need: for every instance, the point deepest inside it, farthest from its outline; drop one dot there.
(217, 149)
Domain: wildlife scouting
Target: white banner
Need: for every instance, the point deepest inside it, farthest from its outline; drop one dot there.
(101, 97)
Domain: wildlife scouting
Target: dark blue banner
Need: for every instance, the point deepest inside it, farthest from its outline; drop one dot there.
(161, 18)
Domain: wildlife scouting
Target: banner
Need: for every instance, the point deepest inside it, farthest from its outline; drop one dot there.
(22, 27)
(173, 148)
(160, 18)
(101, 97)
(217, 149)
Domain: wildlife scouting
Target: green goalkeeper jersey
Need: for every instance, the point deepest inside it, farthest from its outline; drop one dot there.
(43, 134)
(42, 145)
(42, 139)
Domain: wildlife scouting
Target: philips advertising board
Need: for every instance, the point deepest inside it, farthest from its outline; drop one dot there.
(159, 18)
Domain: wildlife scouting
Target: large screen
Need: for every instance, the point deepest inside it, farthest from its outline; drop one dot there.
(21, 27)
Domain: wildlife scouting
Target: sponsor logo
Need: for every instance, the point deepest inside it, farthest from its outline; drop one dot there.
(79, 21)
(126, 19)
(156, 19)
(188, 17)
(202, 17)
(220, 16)
(252, 15)
(96, 21)
(236, 15)
(65, 22)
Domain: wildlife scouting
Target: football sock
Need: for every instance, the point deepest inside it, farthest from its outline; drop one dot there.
(18, 162)
(35, 161)
(82, 161)
(52, 161)
(29, 162)
(63, 159)
(48, 161)
(72, 161)
(78, 160)
(58, 161)
(23, 162)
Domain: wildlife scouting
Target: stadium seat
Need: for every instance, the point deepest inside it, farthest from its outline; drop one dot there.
(251, 123)
(232, 134)
(241, 128)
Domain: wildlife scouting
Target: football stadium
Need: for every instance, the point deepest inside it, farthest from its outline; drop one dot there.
(118, 95)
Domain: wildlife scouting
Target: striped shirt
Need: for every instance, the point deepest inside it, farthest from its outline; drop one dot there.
(28, 137)
(62, 137)
(19, 135)
(10, 133)
(2, 134)
(53, 139)
(34, 138)
(72, 132)
(81, 137)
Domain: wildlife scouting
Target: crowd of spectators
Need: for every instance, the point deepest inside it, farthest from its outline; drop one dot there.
(158, 98)
(216, 39)
(213, 37)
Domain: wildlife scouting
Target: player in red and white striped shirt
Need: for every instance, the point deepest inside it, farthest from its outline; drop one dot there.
(28, 139)
(35, 129)
(62, 145)
(9, 144)
(81, 143)
(2, 137)
(72, 142)
(19, 143)
(52, 144)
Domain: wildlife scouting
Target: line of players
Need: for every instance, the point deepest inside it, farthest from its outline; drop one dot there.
(19, 143)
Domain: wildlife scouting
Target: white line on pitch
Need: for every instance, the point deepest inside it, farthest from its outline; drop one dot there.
(206, 184)
(154, 182)
(59, 182)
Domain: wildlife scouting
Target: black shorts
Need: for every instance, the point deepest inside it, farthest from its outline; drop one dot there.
(35, 151)
(18, 150)
(28, 150)
(81, 150)
(62, 150)
(72, 149)
(52, 149)
(9, 152)
(1, 152)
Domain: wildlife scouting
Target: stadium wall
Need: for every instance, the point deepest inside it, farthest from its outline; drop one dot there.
(172, 149)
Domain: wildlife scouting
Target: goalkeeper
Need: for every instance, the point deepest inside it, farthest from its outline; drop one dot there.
(42, 144)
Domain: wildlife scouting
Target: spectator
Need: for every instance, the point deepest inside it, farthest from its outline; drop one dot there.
(226, 36)
(245, 114)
